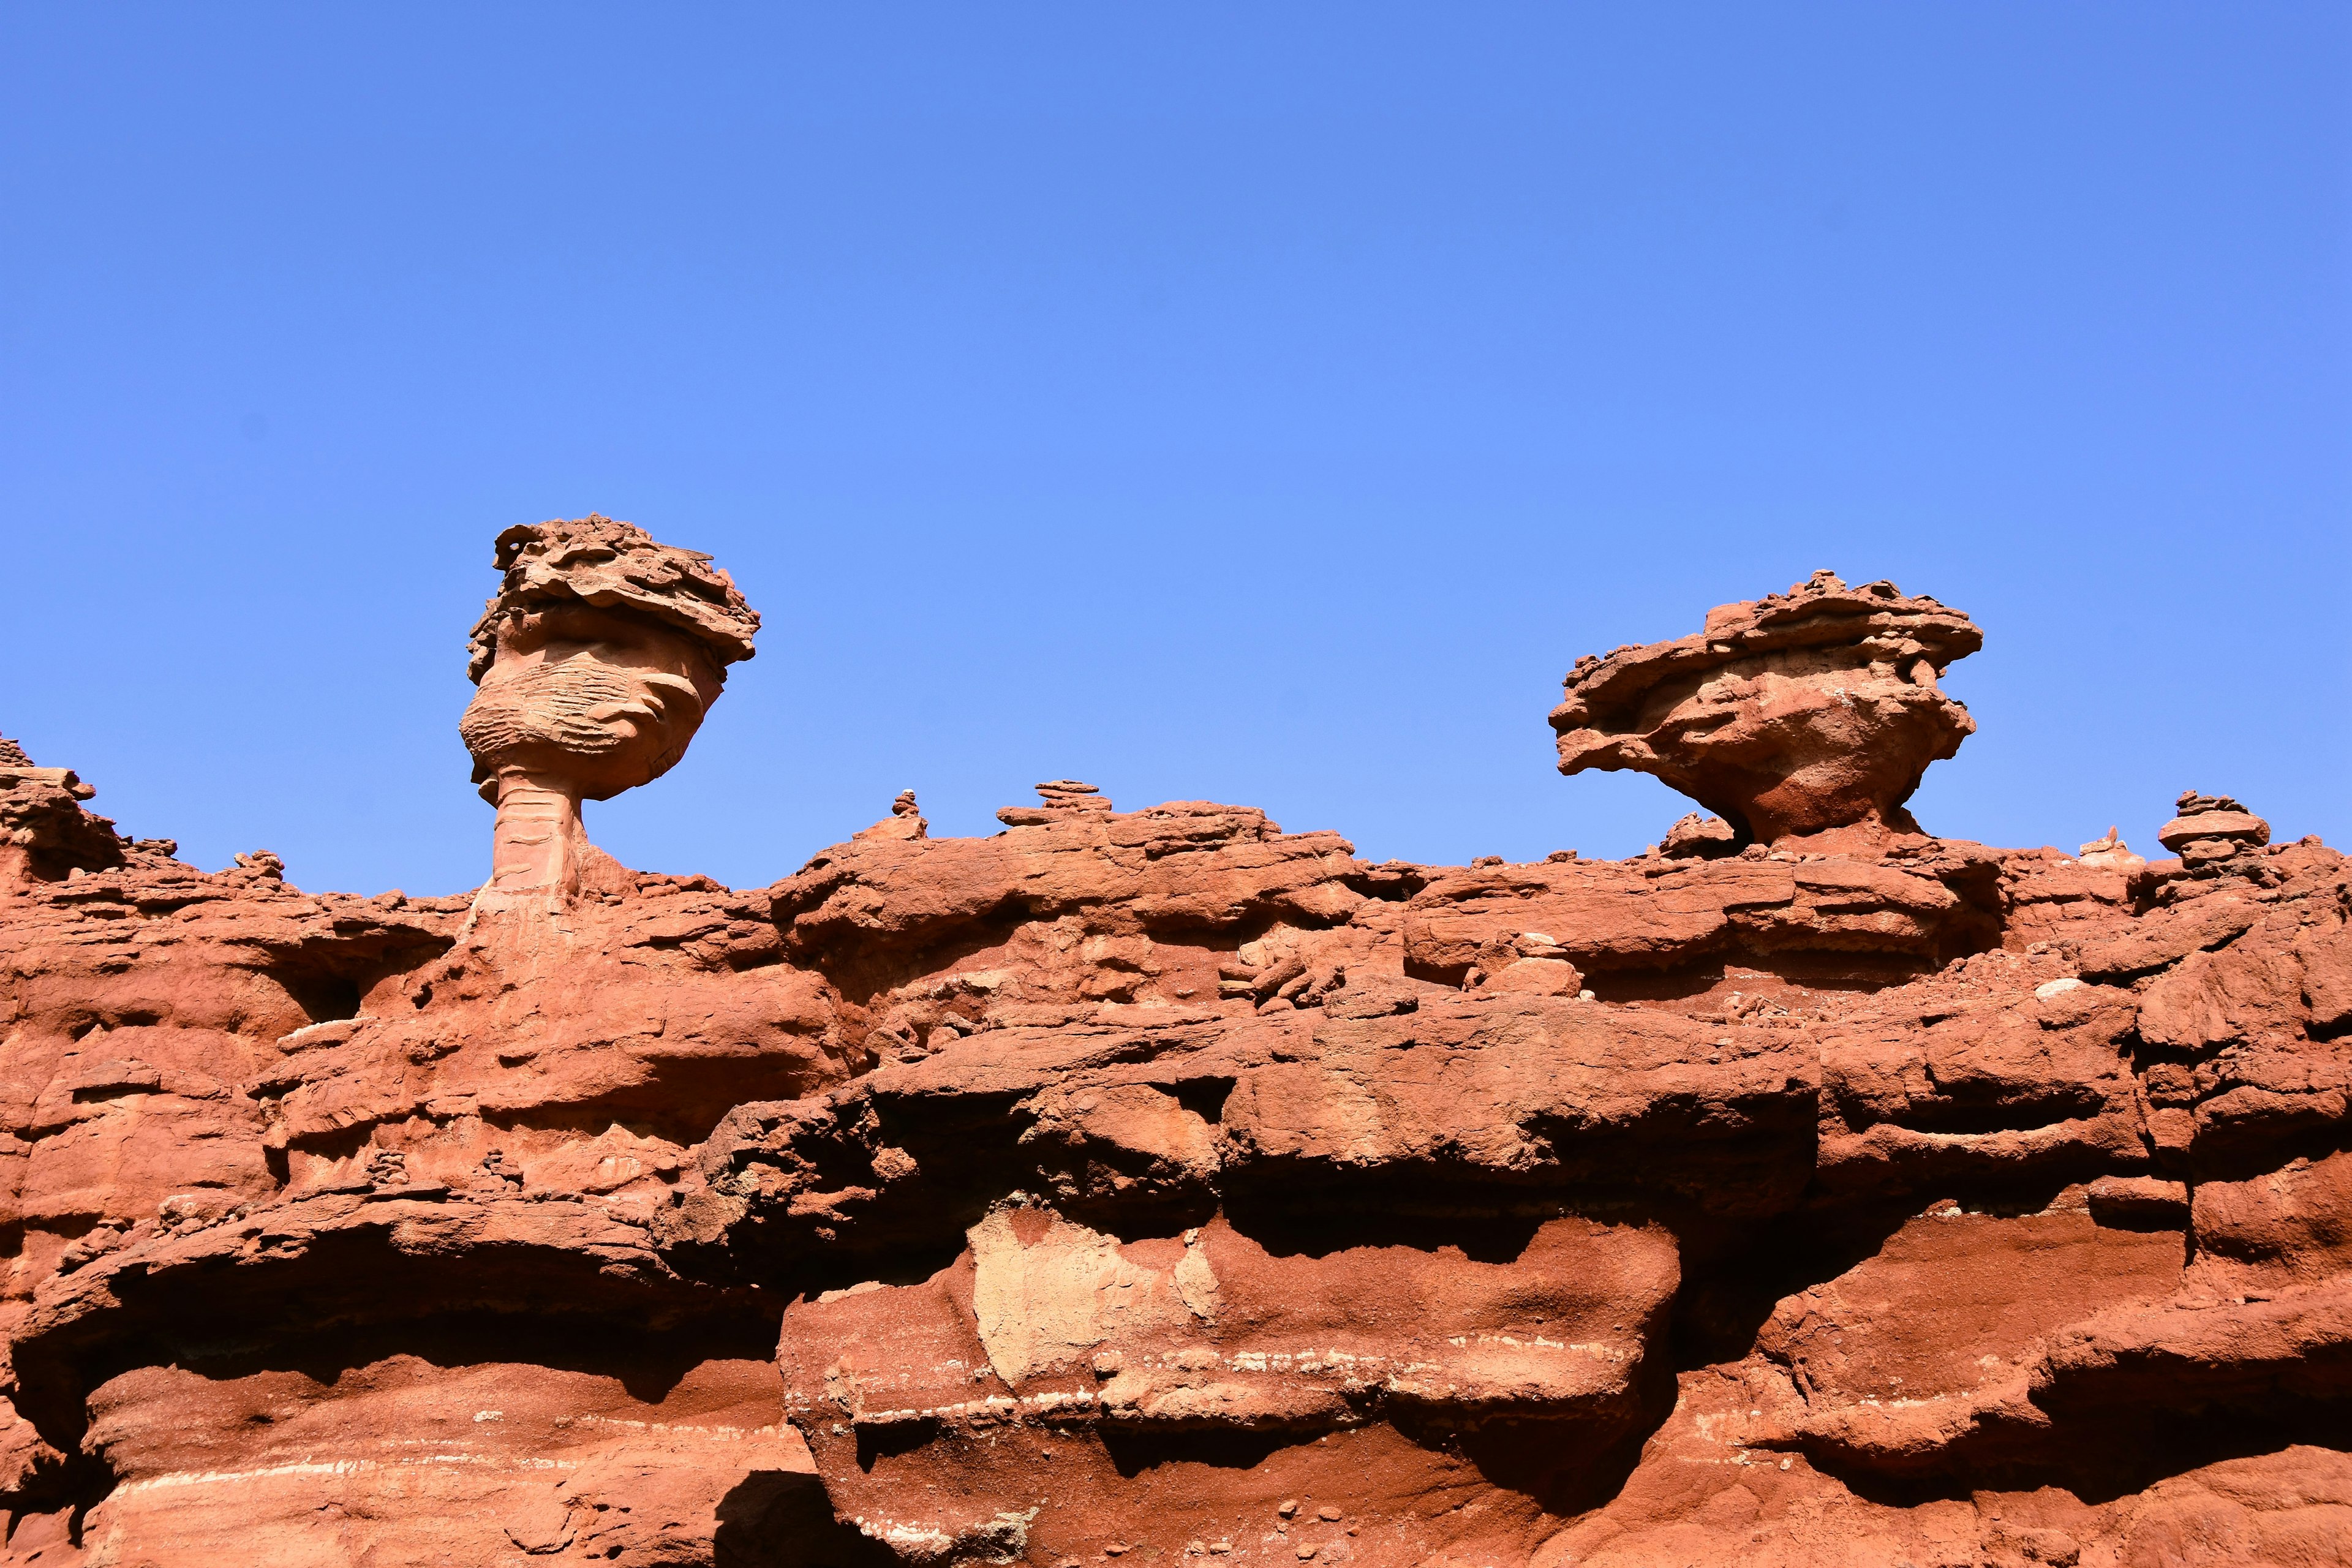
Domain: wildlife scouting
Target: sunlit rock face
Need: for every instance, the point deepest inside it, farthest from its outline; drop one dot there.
(1793, 714)
(1161, 1186)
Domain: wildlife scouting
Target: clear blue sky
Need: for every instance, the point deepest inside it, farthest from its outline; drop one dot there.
(1258, 403)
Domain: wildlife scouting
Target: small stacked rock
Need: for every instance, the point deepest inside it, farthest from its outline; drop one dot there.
(264, 865)
(906, 821)
(2213, 834)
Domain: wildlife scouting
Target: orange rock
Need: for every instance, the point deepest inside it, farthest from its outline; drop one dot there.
(1798, 714)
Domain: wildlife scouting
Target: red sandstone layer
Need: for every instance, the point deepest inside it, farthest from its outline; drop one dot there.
(1157, 1186)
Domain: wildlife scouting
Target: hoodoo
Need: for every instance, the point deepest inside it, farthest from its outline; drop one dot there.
(1159, 1186)
(1791, 715)
(596, 660)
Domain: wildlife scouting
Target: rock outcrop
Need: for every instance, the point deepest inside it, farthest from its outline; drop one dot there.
(596, 660)
(1159, 1185)
(44, 834)
(1794, 714)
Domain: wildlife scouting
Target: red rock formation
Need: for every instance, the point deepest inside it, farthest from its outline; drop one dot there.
(1157, 1186)
(1800, 712)
(44, 834)
(596, 659)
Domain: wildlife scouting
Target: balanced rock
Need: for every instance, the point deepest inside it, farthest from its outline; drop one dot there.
(2213, 833)
(596, 660)
(1792, 714)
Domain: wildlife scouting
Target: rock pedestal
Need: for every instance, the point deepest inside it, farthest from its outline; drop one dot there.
(1790, 715)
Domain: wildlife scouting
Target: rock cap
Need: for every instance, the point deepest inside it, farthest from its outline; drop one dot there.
(1792, 714)
(1605, 690)
(609, 565)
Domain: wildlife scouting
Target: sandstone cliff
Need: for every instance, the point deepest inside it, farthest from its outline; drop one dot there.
(1159, 1186)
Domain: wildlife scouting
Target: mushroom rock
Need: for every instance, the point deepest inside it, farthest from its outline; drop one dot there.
(1790, 715)
(905, 821)
(1159, 1186)
(596, 661)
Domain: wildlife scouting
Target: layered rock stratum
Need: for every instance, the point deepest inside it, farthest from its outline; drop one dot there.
(1159, 1186)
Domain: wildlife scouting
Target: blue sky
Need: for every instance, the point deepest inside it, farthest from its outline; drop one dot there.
(1252, 404)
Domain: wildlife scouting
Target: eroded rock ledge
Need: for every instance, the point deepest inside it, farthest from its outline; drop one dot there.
(1159, 1186)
